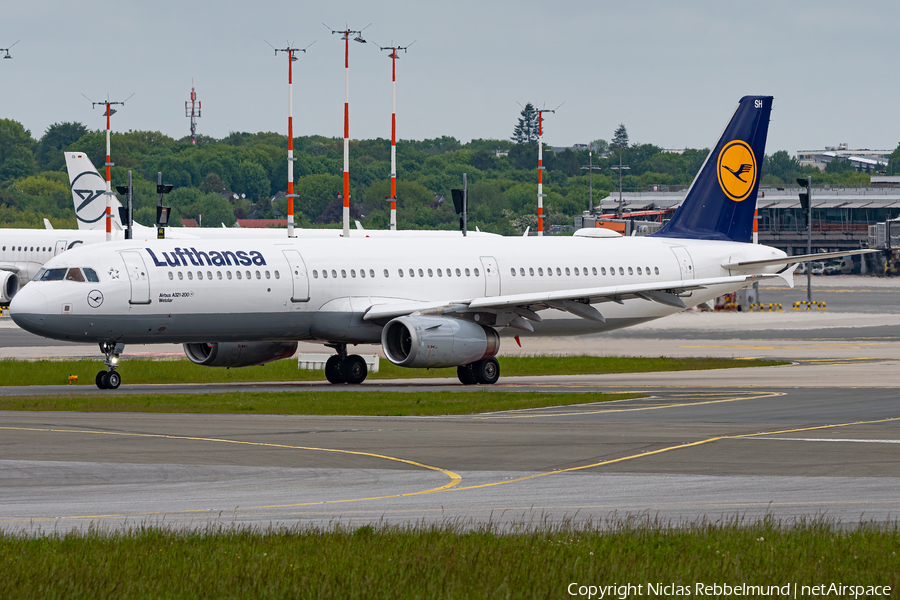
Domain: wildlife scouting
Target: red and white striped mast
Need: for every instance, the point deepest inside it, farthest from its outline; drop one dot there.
(394, 58)
(109, 112)
(541, 193)
(345, 35)
(290, 189)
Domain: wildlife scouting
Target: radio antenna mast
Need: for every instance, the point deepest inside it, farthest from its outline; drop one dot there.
(193, 112)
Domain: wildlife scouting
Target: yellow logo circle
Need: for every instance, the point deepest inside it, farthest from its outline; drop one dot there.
(737, 170)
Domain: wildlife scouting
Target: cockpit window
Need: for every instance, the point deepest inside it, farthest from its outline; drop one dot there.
(54, 275)
(91, 275)
(74, 275)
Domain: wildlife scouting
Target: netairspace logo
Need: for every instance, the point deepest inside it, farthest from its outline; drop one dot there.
(718, 590)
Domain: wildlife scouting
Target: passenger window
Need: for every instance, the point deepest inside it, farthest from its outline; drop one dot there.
(430, 273)
(277, 275)
(412, 273)
(199, 274)
(386, 274)
(219, 275)
(602, 271)
(180, 276)
(656, 270)
(549, 271)
(559, 272)
(362, 273)
(567, 272)
(91, 275)
(228, 275)
(315, 274)
(209, 275)
(400, 272)
(237, 274)
(333, 274)
(421, 274)
(258, 275)
(522, 271)
(324, 274)
(468, 274)
(638, 270)
(540, 271)
(171, 276)
(352, 273)
(577, 273)
(594, 270)
(458, 273)
(343, 273)
(621, 271)
(190, 275)
(248, 275)
(512, 272)
(476, 272)
(440, 273)
(630, 271)
(372, 273)
(647, 270)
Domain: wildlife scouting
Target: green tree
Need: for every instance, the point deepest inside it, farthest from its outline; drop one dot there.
(526, 131)
(620, 137)
(599, 146)
(56, 140)
(839, 165)
(16, 157)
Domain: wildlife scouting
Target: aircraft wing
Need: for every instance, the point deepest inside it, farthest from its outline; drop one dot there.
(576, 301)
(787, 260)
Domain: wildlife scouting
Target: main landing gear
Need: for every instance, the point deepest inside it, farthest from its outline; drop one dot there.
(485, 372)
(342, 368)
(110, 378)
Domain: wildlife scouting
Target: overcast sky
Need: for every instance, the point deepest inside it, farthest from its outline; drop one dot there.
(672, 72)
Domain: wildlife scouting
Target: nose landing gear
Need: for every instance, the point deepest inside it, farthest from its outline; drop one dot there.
(110, 378)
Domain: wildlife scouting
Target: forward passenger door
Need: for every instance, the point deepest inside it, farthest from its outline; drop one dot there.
(299, 276)
(137, 277)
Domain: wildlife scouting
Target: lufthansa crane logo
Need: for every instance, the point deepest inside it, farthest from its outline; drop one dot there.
(95, 298)
(737, 170)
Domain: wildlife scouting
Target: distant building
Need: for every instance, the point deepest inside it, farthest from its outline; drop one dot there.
(862, 159)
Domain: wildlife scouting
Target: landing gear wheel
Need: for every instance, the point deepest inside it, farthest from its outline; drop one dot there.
(333, 371)
(112, 380)
(354, 369)
(487, 371)
(101, 380)
(466, 374)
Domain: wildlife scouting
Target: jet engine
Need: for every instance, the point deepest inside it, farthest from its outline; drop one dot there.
(426, 342)
(9, 285)
(215, 354)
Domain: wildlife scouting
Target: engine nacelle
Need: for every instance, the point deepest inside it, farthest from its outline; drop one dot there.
(9, 285)
(215, 354)
(426, 342)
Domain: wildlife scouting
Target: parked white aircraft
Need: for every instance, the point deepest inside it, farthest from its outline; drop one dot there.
(88, 195)
(429, 303)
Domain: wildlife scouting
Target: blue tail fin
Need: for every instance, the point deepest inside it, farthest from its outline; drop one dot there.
(721, 202)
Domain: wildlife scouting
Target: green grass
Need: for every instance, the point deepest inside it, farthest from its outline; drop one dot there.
(445, 561)
(306, 402)
(46, 372)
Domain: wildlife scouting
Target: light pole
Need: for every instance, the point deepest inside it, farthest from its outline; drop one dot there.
(345, 35)
(591, 168)
(620, 167)
(290, 191)
(109, 112)
(541, 193)
(806, 203)
(394, 58)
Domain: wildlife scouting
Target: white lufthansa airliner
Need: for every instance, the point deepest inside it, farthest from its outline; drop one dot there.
(430, 303)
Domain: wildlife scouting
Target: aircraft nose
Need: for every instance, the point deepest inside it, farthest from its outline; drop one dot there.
(28, 308)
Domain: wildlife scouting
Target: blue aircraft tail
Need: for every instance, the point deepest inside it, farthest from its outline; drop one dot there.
(721, 201)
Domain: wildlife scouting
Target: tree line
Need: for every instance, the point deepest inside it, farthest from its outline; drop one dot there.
(243, 175)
